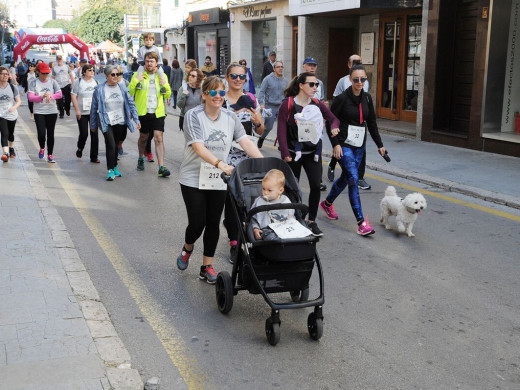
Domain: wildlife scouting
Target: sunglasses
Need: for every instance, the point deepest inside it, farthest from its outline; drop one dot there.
(313, 84)
(4, 74)
(357, 79)
(234, 76)
(213, 93)
(116, 74)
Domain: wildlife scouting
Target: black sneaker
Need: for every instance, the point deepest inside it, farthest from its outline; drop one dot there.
(79, 153)
(363, 185)
(330, 173)
(313, 227)
(323, 187)
(260, 143)
(12, 154)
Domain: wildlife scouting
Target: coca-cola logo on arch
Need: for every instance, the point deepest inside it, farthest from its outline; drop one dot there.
(48, 39)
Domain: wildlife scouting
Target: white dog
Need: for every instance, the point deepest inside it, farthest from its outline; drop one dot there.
(405, 210)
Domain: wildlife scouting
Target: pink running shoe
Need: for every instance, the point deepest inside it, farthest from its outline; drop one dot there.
(329, 210)
(365, 229)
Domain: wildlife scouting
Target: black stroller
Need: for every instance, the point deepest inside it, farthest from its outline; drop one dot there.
(271, 266)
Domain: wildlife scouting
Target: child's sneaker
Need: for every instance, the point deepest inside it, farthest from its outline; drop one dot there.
(184, 259)
(365, 229)
(329, 210)
(163, 90)
(139, 86)
(208, 273)
(41, 154)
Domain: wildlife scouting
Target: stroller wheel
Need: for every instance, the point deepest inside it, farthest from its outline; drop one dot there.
(315, 326)
(298, 296)
(224, 292)
(272, 331)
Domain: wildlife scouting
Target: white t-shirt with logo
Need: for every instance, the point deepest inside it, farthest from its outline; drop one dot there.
(84, 90)
(152, 95)
(114, 104)
(217, 137)
(7, 101)
(61, 74)
(40, 88)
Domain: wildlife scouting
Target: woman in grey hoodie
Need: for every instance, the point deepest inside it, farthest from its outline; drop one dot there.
(192, 95)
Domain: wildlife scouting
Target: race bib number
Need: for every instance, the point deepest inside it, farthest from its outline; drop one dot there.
(116, 117)
(307, 131)
(209, 177)
(356, 135)
(4, 109)
(87, 103)
(290, 228)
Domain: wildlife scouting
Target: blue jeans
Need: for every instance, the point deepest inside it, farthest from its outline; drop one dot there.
(349, 164)
(269, 121)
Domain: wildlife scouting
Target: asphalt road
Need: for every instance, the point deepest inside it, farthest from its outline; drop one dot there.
(439, 311)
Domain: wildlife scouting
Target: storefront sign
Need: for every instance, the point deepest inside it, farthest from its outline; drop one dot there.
(307, 7)
(207, 16)
(391, 3)
(512, 84)
(253, 12)
(367, 48)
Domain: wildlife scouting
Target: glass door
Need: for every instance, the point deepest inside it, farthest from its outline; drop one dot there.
(389, 67)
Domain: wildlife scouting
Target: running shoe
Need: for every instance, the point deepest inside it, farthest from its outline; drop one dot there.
(111, 175)
(365, 228)
(323, 187)
(150, 157)
(116, 172)
(363, 185)
(163, 172)
(5, 157)
(329, 210)
(12, 154)
(316, 231)
(163, 90)
(233, 250)
(330, 173)
(140, 164)
(96, 161)
(41, 154)
(79, 153)
(50, 159)
(208, 273)
(184, 259)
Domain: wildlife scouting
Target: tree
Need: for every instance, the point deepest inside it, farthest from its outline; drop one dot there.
(57, 23)
(5, 25)
(126, 6)
(97, 25)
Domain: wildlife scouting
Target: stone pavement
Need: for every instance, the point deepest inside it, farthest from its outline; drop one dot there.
(54, 331)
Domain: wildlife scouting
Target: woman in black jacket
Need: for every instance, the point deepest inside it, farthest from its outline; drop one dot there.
(355, 110)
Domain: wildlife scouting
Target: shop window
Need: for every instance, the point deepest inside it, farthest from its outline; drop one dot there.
(413, 63)
(207, 46)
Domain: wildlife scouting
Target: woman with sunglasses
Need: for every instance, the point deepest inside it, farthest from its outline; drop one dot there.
(299, 94)
(8, 113)
(112, 110)
(355, 110)
(81, 96)
(251, 118)
(210, 131)
(191, 95)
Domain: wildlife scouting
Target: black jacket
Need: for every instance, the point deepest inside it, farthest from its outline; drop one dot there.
(346, 108)
(268, 69)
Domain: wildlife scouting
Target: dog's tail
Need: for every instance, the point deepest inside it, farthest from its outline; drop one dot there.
(390, 191)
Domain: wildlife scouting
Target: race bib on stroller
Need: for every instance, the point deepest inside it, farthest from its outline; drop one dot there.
(290, 228)
(356, 135)
(307, 131)
(209, 178)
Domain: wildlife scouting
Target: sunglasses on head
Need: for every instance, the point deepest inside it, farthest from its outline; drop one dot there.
(213, 93)
(234, 76)
(116, 74)
(313, 84)
(357, 79)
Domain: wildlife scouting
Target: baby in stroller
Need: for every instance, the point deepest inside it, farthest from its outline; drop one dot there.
(272, 193)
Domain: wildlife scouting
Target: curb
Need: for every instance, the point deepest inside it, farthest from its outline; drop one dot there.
(119, 373)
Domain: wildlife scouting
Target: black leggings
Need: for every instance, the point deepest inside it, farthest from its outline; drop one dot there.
(7, 131)
(45, 124)
(112, 137)
(361, 169)
(313, 170)
(84, 129)
(204, 208)
(64, 102)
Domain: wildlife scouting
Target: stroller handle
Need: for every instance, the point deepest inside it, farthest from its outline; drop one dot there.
(278, 206)
(225, 177)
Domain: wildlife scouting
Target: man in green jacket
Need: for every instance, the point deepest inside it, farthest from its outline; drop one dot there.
(151, 108)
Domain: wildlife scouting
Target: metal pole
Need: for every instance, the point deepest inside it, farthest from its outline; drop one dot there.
(126, 38)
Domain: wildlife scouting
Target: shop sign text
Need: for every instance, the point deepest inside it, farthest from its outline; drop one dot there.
(252, 12)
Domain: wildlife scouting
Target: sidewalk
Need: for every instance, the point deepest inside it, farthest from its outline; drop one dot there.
(54, 331)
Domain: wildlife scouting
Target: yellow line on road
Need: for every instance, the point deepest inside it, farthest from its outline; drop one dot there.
(447, 198)
(151, 310)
